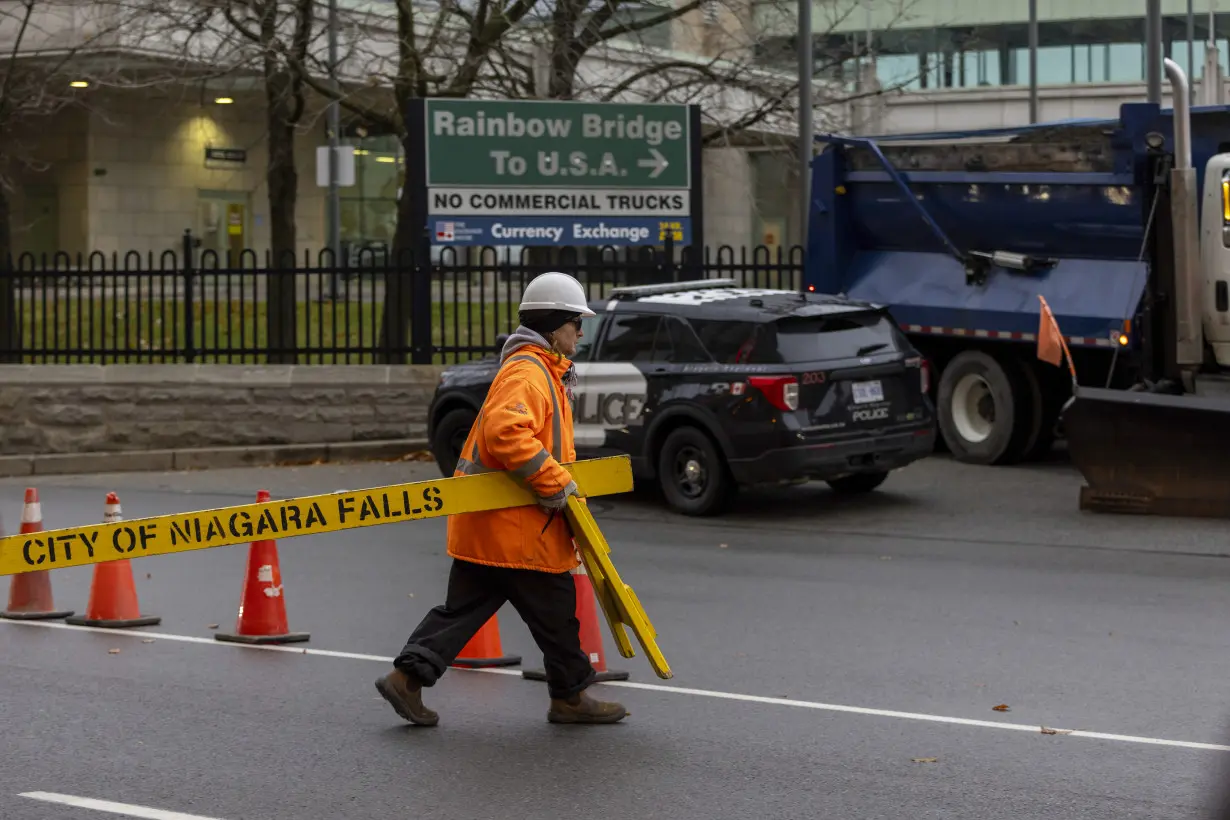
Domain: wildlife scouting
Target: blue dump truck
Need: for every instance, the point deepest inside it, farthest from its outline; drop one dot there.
(1122, 225)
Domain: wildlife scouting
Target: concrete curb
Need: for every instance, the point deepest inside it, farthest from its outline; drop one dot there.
(206, 458)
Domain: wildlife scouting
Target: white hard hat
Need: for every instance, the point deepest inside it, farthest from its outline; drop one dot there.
(555, 291)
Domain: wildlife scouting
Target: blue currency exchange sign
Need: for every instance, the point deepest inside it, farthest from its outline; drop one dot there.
(550, 231)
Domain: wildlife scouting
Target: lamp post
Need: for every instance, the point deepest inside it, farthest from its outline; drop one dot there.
(806, 135)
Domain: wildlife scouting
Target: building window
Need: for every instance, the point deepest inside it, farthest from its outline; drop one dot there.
(1074, 51)
(369, 207)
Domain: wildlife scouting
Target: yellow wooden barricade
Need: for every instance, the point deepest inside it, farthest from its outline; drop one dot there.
(346, 510)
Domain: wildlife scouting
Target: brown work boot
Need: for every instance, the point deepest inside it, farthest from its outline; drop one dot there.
(582, 708)
(406, 696)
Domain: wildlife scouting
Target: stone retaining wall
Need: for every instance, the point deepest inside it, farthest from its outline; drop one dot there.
(76, 409)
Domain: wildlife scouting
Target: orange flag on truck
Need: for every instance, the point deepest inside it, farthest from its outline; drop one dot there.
(1051, 345)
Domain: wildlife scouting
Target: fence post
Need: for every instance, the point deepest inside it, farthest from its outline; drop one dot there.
(10, 331)
(420, 304)
(670, 270)
(189, 292)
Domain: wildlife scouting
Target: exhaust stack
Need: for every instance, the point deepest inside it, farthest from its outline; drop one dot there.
(1189, 341)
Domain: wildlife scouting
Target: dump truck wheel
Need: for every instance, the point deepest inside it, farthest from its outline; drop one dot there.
(1031, 410)
(986, 410)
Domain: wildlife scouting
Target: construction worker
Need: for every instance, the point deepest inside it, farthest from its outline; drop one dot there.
(522, 555)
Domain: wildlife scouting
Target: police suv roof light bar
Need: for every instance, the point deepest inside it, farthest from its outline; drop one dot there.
(671, 287)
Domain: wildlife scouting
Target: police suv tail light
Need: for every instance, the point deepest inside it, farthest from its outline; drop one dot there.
(781, 391)
(924, 371)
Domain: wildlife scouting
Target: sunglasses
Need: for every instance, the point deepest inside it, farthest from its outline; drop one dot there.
(575, 322)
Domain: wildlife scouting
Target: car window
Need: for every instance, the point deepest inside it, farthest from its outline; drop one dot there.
(797, 339)
(589, 335)
(726, 342)
(677, 343)
(629, 338)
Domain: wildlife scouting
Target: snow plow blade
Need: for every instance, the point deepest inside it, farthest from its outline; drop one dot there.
(1150, 453)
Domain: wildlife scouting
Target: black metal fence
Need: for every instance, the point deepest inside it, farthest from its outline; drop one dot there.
(375, 308)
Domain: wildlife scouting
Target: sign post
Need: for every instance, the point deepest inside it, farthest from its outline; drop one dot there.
(561, 173)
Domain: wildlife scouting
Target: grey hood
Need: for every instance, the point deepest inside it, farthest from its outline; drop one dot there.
(523, 337)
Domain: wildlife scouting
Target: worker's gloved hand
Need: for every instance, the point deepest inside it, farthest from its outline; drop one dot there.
(559, 500)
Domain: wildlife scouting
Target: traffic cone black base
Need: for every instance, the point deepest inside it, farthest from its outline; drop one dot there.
(610, 674)
(125, 623)
(35, 616)
(289, 637)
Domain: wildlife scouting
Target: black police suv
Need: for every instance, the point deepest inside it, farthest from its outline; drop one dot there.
(709, 387)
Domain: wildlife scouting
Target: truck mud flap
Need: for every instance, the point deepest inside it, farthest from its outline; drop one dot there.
(1150, 453)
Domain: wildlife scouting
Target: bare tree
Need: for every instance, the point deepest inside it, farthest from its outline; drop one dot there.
(427, 50)
(727, 55)
(281, 31)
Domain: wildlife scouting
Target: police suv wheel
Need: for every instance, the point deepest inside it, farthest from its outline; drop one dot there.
(692, 473)
(449, 437)
(857, 483)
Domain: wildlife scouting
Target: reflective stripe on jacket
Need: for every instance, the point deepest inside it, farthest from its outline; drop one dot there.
(525, 426)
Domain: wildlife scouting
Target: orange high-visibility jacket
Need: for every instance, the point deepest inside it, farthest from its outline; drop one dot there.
(525, 427)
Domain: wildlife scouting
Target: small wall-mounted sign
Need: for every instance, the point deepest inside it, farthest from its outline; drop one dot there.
(226, 154)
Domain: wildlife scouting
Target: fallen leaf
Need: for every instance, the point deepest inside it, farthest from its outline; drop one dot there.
(410, 595)
(148, 576)
(147, 640)
(924, 759)
(723, 546)
(1047, 731)
(1003, 707)
(213, 626)
(113, 651)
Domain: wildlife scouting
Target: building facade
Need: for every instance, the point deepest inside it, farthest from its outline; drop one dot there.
(945, 64)
(130, 169)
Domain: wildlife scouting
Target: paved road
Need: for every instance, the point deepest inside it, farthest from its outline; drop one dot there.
(822, 648)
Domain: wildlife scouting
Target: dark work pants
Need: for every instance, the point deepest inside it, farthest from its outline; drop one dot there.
(546, 601)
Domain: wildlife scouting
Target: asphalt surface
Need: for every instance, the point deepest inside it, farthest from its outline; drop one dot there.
(949, 591)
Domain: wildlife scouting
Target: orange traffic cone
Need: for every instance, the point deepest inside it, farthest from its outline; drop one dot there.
(484, 649)
(591, 632)
(113, 594)
(262, 607)
(30, 592)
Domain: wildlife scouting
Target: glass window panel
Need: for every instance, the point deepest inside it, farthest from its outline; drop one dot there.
(1127, 62)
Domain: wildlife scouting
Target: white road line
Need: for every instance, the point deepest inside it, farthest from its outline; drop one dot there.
(674, 690)
(126, 809)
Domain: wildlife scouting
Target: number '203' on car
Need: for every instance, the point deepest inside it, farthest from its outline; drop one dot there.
(710, 387)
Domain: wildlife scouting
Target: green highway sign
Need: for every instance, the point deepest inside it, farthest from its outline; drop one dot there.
(499, 144)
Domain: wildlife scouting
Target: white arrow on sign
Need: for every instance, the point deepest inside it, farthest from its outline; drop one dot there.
(658, 163)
